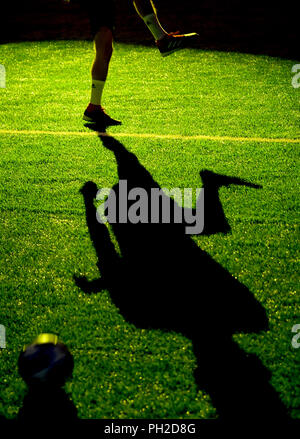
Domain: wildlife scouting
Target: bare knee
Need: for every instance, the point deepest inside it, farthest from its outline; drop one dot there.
(104, 43)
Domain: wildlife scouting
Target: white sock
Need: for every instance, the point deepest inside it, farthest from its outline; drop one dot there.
(154, 26)
(96, 92)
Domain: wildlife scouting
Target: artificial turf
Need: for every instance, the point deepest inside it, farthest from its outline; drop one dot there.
(121, 371)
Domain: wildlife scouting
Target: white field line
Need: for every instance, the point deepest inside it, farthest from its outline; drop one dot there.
(151, 136)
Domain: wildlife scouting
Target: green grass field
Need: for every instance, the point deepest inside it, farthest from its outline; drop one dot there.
(45, 240)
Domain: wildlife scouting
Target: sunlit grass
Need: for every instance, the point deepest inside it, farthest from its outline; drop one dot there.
(44, 238)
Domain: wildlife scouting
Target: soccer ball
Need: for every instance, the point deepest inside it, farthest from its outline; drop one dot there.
(46, 361)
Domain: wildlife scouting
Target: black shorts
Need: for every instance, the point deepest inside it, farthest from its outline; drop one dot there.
(101, 13)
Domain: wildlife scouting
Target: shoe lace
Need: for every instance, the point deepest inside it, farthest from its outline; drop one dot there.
(172, 34)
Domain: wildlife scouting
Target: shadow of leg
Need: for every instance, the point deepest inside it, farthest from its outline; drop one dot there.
(215, 220)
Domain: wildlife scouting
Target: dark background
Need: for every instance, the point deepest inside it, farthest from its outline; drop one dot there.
(252, 26)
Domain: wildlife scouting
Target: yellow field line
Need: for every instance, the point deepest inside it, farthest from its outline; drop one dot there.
(152, 136)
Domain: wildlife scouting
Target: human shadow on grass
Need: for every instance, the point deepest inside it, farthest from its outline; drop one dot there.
(163, 280)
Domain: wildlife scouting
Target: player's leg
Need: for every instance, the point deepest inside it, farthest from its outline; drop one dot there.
(167, 43)
(103, 42)
(148, 13)
(102, 24)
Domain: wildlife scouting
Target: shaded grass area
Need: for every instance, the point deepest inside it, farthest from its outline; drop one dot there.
(121, 371)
